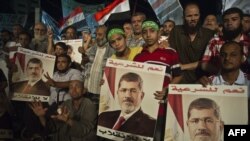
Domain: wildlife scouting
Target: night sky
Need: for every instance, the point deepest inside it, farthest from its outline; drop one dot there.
(53, 7)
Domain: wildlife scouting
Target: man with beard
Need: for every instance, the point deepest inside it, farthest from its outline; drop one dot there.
(34, 84)
(204, 120)
(97, 57)
(167, 27)
(61, 78)
(136, 21)
(190, 40)
(40, 41)
(232, 31)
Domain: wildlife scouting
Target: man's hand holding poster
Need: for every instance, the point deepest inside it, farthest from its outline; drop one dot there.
(195, 112)
(128, 109)
(73, 52)
(31, 83)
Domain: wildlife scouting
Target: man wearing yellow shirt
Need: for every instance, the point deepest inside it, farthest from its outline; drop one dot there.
(117, 40)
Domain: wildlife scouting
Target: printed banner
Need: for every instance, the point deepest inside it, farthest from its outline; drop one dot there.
(73, 49)
(196, 112)
(28, 80)
(128, 109)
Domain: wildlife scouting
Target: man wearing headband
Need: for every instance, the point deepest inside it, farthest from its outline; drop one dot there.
(153, 53)
(117, 40)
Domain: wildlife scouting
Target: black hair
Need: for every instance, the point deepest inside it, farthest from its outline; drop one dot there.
(233, 10)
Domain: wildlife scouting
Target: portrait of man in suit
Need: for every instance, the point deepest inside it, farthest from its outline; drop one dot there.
(204, 120)
(131, 118)
(34, 85)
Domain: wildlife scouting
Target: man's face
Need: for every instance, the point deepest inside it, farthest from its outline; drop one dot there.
(75, 89)
(136, 23)
(100, 36)
(246, 24)
(118, 42)
(62, 64)
(167, 27)
(59, 50)
(192, 16)
(231, 57)
(70, 34)
(150, 36)
(231, 22)
(39, 32)
(210, 22)
(130, 96)
(128, 29)
(24, 40)
(16, 30)
(34, 72)
(204, 126)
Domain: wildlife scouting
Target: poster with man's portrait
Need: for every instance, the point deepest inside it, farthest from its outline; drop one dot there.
(128, 108)
(195, 112)
(73, 52)
(28, 78)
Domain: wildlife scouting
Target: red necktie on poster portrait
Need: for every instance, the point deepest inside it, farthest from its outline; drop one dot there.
(119, 123)
(26, 89)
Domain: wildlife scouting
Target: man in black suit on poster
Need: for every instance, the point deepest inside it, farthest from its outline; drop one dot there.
(131, 118)
(34, 84)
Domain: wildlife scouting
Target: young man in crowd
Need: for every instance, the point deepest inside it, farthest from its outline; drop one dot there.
(117, 40)
(232, 31)
(153, 53)
(136, 21)
(75, 119)
(190, 41)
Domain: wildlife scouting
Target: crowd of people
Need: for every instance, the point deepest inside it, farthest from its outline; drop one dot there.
(211, 53)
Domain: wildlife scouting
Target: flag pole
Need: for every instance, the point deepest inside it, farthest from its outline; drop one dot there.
(134, 7)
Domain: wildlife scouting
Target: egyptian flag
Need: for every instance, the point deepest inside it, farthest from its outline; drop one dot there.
(75, 18)
(117, 6)
(174, 122)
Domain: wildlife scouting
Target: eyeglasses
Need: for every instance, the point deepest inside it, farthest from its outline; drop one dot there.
(132, 90)
(38, 29)
(207, 121)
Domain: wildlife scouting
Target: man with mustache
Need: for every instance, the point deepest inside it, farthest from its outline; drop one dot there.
(34, 84)
(204, 120)
(136, 21)
(96, 56)
(231, 59)
(40, 41)
(130, 118)
(232, 31)
(190, 41)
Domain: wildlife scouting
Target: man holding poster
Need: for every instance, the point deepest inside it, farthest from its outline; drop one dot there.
(204, 120)
(34, 84)
(130, 118)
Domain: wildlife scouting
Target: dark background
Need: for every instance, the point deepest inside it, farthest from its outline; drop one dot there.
(53, 8)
